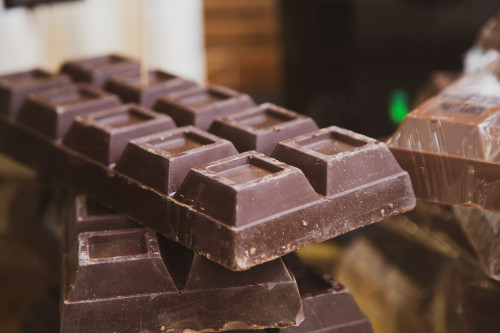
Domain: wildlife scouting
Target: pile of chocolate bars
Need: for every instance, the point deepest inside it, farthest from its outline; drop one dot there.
(221, 189)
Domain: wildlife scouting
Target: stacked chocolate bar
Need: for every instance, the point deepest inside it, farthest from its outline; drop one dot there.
(222, 189)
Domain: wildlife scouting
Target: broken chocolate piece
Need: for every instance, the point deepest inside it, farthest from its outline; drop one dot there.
(51, 112)
(132, 279)
(451, 150)
(128, 86)
(200, 106)
(162, 160)
(14, 88)
(103, 135)
(260, 129)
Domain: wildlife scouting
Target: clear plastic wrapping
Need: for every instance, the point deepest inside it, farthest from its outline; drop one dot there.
(450, 145)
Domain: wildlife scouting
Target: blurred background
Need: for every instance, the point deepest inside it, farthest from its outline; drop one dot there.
(358, 64)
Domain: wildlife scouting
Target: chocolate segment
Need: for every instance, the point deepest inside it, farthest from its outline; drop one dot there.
(14, 88)
(451, 150)
(336, 160)
(162, 160)
(200, 106)
(51, 112)
(128, 86)
(103, 135)
(96, 71)
(252, 186)
(131, 279)
(260, 129)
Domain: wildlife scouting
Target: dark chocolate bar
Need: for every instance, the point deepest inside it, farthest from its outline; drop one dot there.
(14, 88)
(131, 279)
(261, 128)
(451, 149)
(202, 105)
(128, 86)
(96, 71)
(240, 211)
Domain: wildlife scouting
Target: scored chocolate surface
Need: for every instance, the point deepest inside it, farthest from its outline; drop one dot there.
(239, 212)
(126, 278)
(451, 148)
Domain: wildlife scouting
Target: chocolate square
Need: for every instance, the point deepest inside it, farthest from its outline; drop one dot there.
(251, 185)
(260, 129)
(51, 111)
(14, 88)
(128, 86)
(336, 160)
(103, 135)
(200, 106)
(96, 71)
(162, 160)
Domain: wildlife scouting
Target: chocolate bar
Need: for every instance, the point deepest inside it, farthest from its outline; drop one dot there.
(119, 278)
(14, 88)
(202, 105)
(128, 86)
(96, 71)
(261, 128)
(239, 211)
(451, 148)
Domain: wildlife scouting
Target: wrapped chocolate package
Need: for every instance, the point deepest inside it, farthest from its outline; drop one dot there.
(450, 145)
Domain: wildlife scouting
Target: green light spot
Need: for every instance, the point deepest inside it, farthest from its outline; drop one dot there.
(398, 106)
